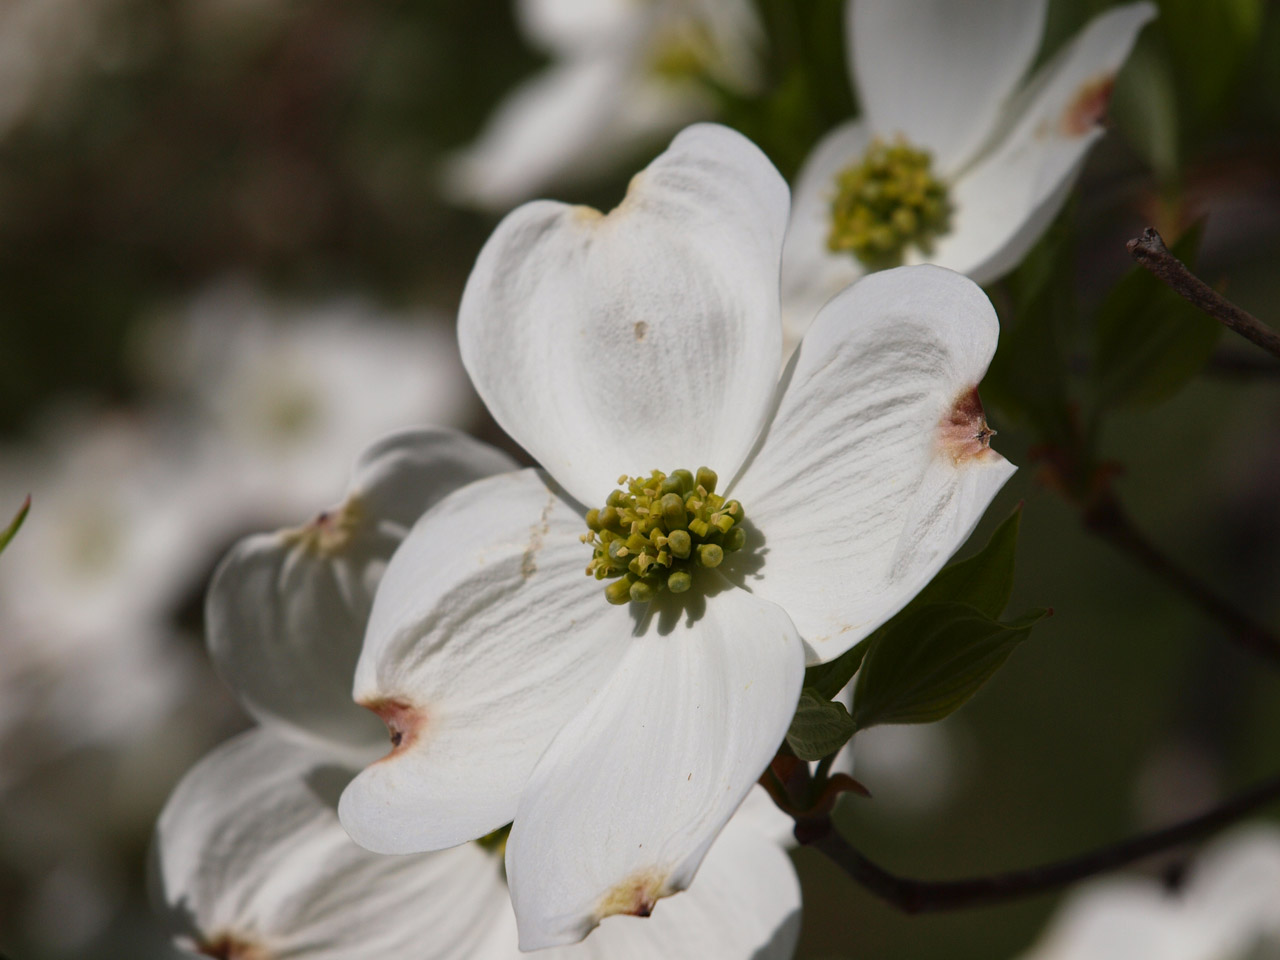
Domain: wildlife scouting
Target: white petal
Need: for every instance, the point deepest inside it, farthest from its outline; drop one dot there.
(648, 338)
(549, 126)
(486, 636)
(581, 26)
(938, 72)
(1013, 192)
(860, 491)
(811, 273)
(249, 851)
(627, 799)
(286, 611)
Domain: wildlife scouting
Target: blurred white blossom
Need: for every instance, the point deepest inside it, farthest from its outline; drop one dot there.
(1227, 907)
(954, 160)
(623, 74)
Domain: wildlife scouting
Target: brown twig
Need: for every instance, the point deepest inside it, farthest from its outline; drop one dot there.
(1107, 518)
(1150, 251)
(929, 896)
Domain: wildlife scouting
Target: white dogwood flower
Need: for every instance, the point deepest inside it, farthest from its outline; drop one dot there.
(621, 726)
(952, 162)
(251, 863)
(1225, 909)
(623, 73)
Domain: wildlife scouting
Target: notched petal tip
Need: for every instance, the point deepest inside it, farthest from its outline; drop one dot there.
(226, 946)
(1088, 107)
(636, 896)
(963, 433)
(330, 531)
(404, 722)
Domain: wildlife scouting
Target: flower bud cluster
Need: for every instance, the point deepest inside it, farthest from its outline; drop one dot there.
(886, 202)
(653, 534)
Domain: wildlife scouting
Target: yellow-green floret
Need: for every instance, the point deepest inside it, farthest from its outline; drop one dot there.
(657, 531)
(886, 202)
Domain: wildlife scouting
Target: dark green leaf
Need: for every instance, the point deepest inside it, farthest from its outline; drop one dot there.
(931, 662)
(1209, 43)
(1144, 108)
(8, 533)
(1150, 341)
(828, 679)
(983, 581)
(820, 726)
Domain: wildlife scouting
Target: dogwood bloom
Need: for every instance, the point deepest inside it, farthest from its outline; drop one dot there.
(623, 74)
(251, 861)
(1225, 909)
(620, 727)
(952, 162)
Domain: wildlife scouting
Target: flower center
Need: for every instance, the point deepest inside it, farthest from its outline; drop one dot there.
(656, 533)
(496, 842)
(887, 201)
(329, 532)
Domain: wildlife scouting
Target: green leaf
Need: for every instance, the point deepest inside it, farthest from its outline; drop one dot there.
(931, 662)
(1027, 380)
(1149, 341)
(820, 726)
(1144, 108)
(1210, 42)
(8, 533)
(983, 581)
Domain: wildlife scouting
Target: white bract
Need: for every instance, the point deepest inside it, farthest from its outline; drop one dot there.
(621, 738)
(954, 160)
(1227, 908)
(251, 863)
(623, 73)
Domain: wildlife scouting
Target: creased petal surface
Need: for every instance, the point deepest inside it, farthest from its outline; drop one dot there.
(249, 853)
(624, 804)
(938, 72)
(485, 637)
(647, 338)
(811, 273)
(856, 494)
(286, 611)
(1009, 197)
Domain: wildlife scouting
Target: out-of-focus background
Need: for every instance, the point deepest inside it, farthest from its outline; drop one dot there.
(233, 235)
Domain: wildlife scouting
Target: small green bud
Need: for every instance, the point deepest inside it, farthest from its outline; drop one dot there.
(618, 592)
(736, 539)
(699, 527)
(723, 523)
(680, 543)
(673, 512)
(685, 479)
(707, 479)
(593, 520)
(679, 581)
(710, 555)
(641, 592)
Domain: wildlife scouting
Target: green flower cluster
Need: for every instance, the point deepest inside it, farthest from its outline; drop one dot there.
(886, 202)
(655, 532)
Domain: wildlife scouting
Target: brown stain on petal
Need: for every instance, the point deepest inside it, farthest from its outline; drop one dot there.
(635, 896)
(537, 537)
(404, 722)
(641, 330)
(963, 432)
(225, 946)
(1088, 107)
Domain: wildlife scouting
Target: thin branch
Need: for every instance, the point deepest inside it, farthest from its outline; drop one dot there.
(1150, 251)
(1108, 519)
(926, 896)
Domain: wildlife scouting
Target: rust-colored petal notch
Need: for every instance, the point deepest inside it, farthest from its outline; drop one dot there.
(1088, 107)
(226, 946)
(635, 896)
(404, 721)
(963, 432)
